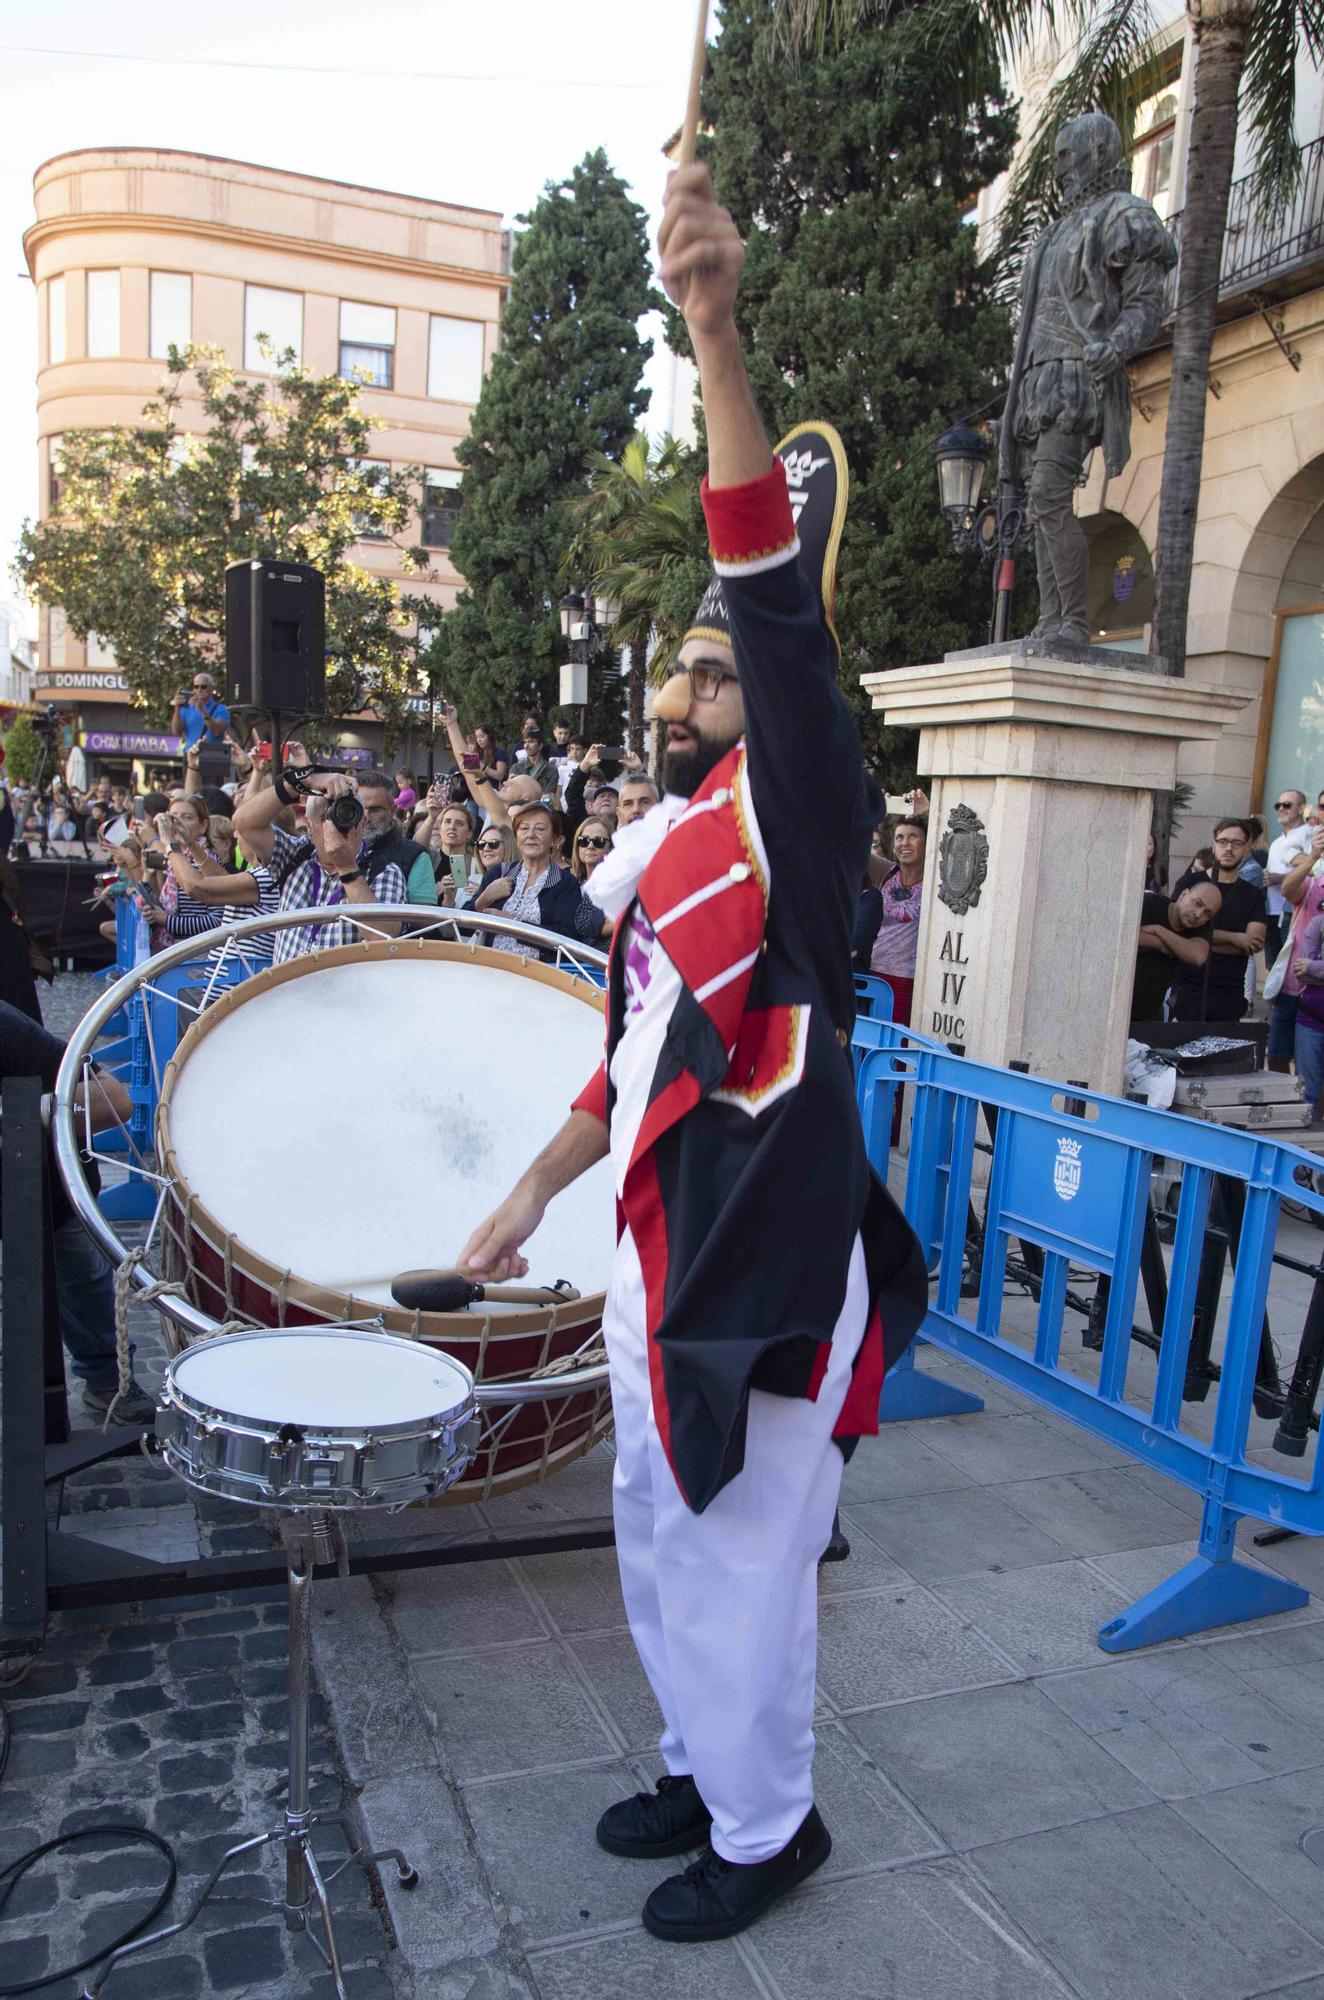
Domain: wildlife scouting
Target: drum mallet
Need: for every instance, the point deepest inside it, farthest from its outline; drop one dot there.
(452, 1291)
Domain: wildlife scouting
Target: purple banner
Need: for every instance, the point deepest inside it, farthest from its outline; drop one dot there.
(132, 743)
(343, 759)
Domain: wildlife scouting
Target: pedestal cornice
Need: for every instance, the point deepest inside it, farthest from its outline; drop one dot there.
(1013, 689)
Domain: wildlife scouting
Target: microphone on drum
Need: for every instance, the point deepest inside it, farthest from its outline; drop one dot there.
(452, 1291)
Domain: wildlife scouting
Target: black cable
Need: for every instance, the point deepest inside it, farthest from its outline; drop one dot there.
(17, 1869)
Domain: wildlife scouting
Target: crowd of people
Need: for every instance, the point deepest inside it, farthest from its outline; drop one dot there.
(1248, 913)
(520, 831)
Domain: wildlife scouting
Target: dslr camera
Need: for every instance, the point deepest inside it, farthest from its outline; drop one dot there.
(345, 812)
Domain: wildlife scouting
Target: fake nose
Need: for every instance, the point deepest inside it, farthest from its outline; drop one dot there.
(671, 703)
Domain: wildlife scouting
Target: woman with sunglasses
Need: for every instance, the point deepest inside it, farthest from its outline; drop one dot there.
(593, 839)
(495, 848)
(893, 955)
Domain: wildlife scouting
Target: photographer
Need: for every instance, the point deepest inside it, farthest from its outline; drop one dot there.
(198, 713)
(385, 845)
(591, 788)
(323, 870)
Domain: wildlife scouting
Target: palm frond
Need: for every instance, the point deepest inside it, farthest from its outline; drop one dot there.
(1268, 89)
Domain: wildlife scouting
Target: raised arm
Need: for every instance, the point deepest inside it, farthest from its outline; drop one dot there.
(482, 791)
(702, 258)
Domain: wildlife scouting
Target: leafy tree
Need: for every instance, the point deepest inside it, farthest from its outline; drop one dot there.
(864, 302)
(1245, 58)
(150, 516)
(563, 387)
(639, 543)
(23, 751)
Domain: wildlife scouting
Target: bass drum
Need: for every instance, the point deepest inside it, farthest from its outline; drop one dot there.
(351, 1115)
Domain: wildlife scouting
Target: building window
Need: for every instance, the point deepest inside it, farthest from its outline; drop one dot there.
(367, 342)
(170, 313)
(441, 506)
(1153, 140)
(103, 313)
(57, 639)
(277, 317)
(375, 471)
(56, 325)
(455, 359)
(54, 481)
(99, 653)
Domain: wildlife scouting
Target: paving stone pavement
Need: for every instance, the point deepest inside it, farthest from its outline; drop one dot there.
(1014, 1812)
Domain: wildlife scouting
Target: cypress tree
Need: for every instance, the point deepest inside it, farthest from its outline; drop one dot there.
(563, 386)
(864, 302)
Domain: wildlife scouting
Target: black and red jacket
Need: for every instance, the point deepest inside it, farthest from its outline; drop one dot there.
(748, 1182)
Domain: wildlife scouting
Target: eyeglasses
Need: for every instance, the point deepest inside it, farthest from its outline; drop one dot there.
(706, 680)
(593, 840)
(491, 843)
(1284, 805)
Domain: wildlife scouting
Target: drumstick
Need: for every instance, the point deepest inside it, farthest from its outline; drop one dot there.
(689, 130)
(452, 1291)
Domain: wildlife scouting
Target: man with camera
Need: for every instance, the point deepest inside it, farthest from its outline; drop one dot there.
(197, 713)
(327, 869)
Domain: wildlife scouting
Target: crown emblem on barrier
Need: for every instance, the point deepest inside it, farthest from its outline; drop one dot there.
(1067, 1169)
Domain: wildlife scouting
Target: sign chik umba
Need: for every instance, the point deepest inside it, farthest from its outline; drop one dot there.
(1041, 774)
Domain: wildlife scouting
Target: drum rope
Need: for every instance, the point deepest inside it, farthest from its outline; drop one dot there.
(127, 1296)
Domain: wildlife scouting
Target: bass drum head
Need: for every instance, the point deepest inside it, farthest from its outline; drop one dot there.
(353, 1114)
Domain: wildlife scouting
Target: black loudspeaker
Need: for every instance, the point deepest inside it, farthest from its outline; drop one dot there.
(275, 637)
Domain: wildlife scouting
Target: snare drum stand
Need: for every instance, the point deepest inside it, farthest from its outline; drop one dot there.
(309, 1539)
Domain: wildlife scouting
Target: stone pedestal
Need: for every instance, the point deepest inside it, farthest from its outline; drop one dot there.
(1040, 773)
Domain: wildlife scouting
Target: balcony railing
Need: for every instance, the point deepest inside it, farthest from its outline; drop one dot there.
(1256, 250)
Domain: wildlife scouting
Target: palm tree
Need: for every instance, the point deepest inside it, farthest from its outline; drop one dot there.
(639, 543)
(1245, 53)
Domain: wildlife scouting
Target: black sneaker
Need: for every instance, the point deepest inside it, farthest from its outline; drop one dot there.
(654, 1824)
(716, 1898)
(135, 1406)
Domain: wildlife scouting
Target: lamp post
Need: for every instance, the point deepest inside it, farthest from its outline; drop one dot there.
(994, 529)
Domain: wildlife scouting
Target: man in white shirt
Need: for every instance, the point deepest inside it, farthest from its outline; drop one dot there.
(1293, 839)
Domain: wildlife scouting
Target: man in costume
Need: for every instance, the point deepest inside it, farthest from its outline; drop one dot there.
(763, 1277)
(1092, 298)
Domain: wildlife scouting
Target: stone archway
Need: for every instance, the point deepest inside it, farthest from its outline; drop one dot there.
(1121, 584)
(1268, 558)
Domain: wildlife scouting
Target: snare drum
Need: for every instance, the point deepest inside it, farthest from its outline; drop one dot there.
(353, 1114)
(330, 1420)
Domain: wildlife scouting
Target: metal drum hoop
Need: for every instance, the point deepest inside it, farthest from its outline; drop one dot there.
(464, 925)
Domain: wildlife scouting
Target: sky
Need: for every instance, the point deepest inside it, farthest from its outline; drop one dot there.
(477, 105)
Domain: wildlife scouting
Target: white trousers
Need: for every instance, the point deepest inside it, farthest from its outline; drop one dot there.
(723, 1605)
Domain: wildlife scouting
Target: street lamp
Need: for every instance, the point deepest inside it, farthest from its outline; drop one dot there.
(993, 529)
(576, 628)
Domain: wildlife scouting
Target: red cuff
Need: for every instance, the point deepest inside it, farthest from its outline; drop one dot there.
(751, 523)
(593, 1097)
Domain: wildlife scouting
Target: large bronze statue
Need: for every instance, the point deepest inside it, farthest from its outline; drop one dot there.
(1092, 298)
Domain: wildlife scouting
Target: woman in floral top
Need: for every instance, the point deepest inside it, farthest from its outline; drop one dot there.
(535, 888)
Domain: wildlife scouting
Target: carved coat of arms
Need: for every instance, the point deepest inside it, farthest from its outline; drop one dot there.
(962, 860)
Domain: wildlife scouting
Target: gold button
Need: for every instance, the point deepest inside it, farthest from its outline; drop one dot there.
(739, 871)
(843, 1038)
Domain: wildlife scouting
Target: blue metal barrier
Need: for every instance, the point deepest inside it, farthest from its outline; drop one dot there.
(1069, 1181)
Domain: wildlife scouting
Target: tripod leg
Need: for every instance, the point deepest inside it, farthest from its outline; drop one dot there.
(328, 1927)
(93, 1988)
(406, 1873)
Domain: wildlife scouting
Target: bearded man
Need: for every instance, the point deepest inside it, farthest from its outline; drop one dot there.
(763, 1278)
(1092, 298)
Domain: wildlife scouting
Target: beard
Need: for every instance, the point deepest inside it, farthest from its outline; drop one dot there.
(684, 770)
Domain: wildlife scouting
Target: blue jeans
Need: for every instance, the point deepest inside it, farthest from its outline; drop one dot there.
(1282, 1025)
(1310, 1060)
(85, 1289)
